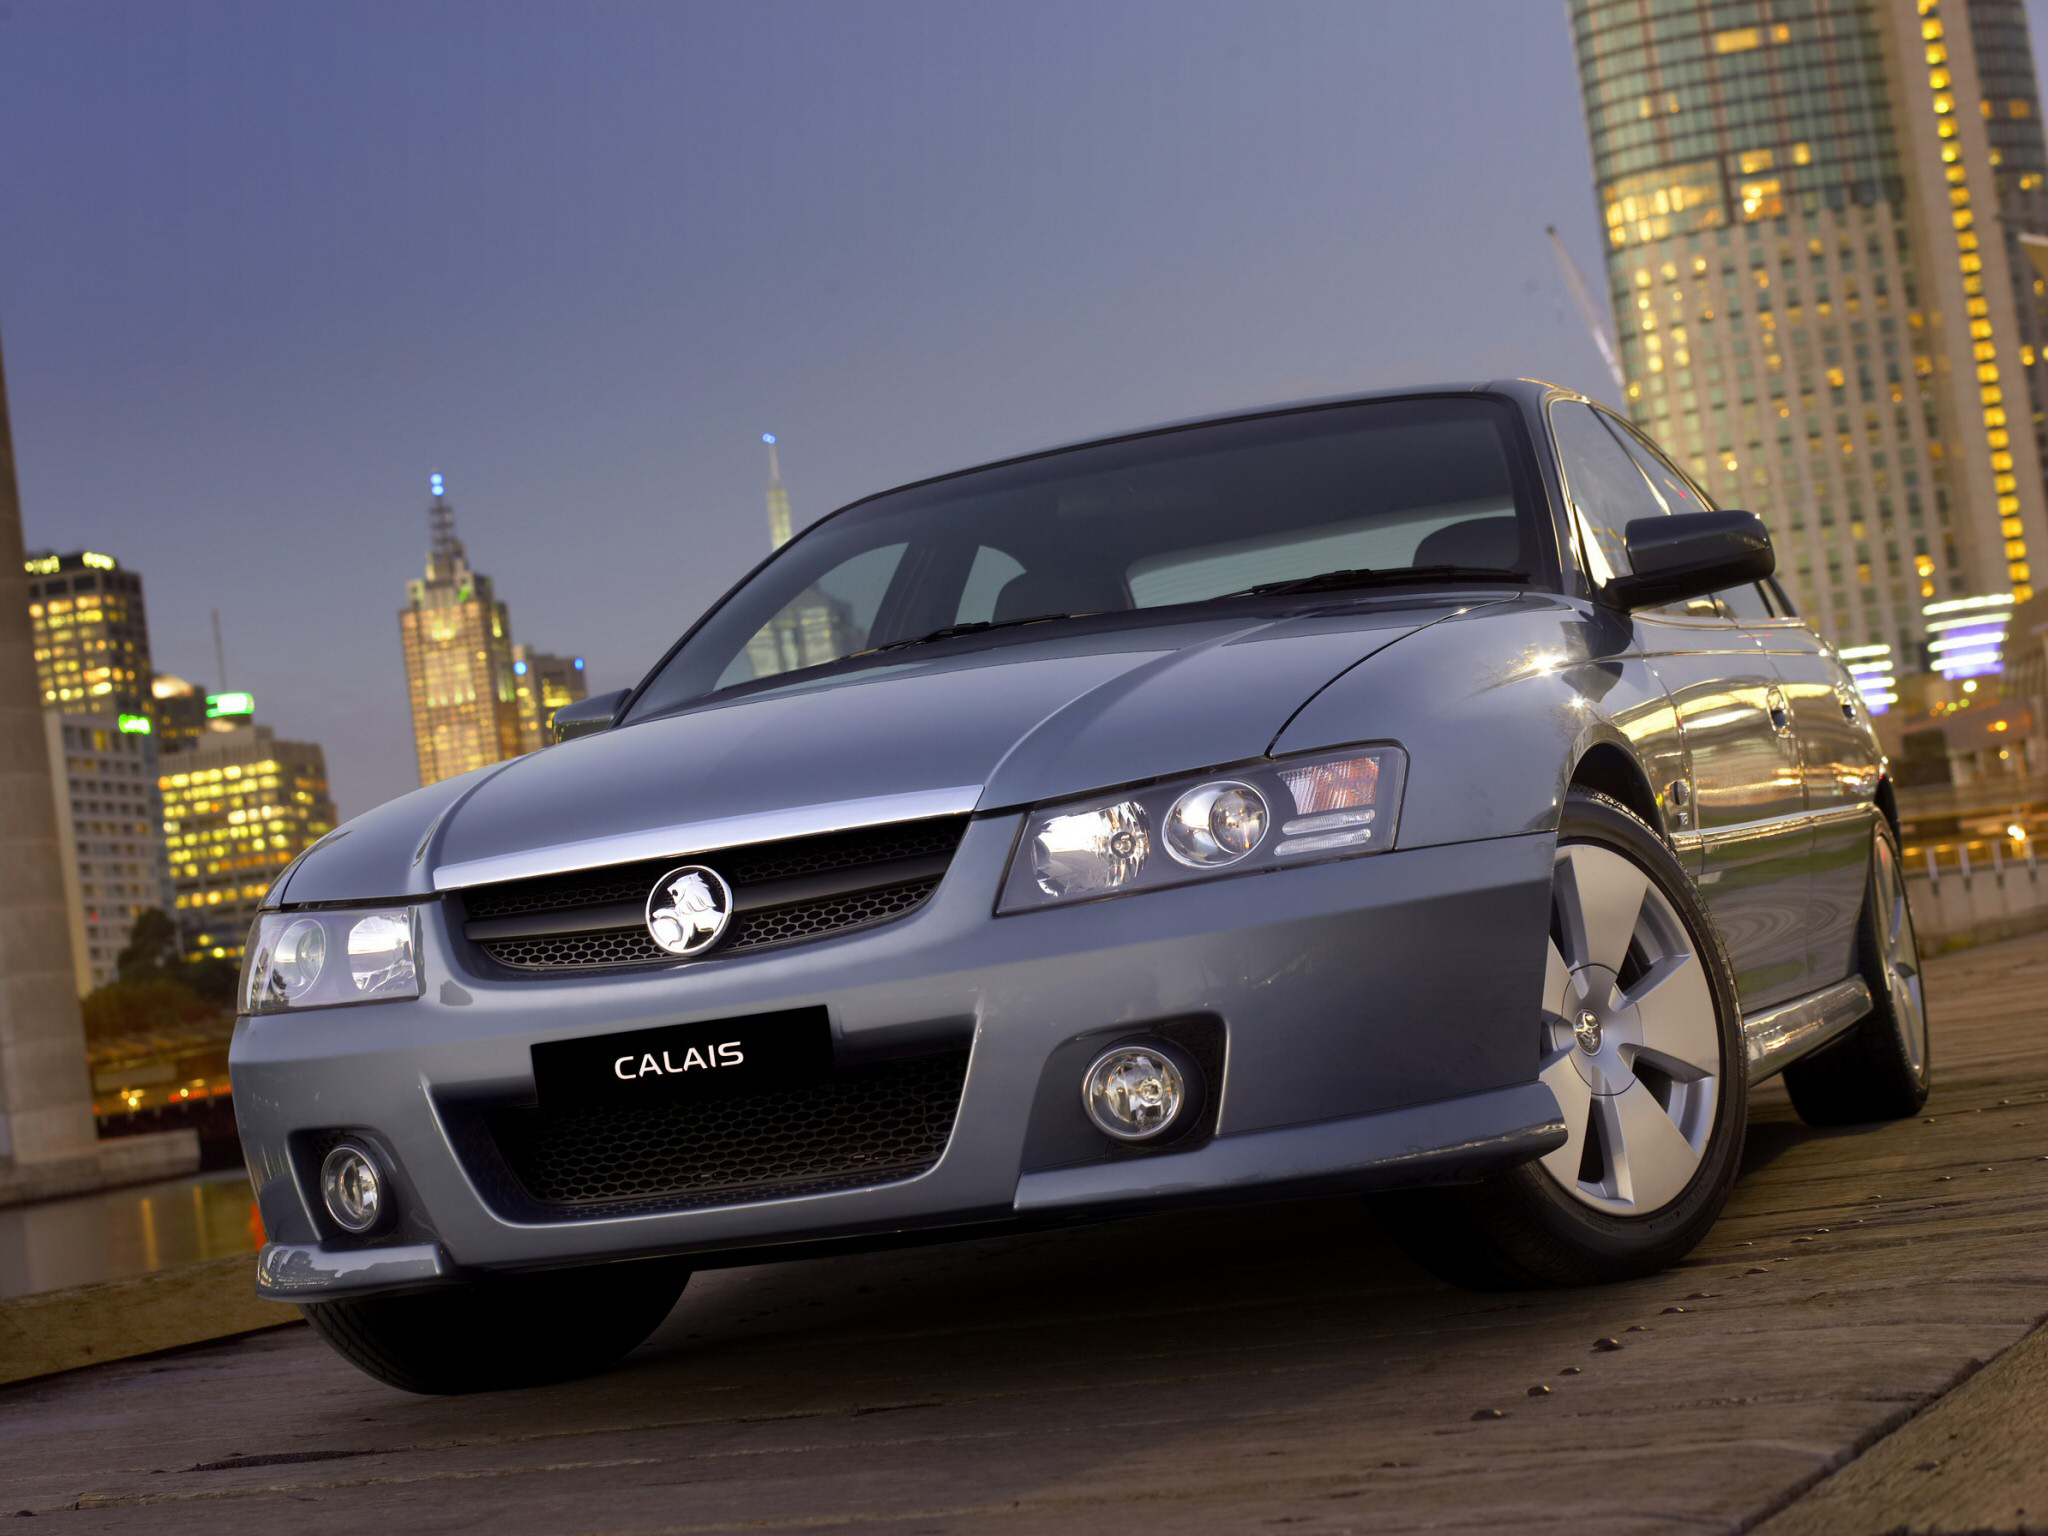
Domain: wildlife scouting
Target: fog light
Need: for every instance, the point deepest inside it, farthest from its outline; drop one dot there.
(1134, 1093)
(352, 1188)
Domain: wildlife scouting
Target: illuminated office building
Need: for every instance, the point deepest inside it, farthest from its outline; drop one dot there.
(239, 805)
(458, 659)
(543, 684)
(1870, 667)
(185, 714)
(1815, 214)
(104, 768)
(1966, 635)
(91, 633)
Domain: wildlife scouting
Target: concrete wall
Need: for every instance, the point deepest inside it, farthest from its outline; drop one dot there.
(1955, 898)
(45, 1108)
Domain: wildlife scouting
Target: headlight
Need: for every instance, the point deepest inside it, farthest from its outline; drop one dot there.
(1260, 817)
(327, 959)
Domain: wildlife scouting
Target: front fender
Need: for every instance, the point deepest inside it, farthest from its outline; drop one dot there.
(1495, 707)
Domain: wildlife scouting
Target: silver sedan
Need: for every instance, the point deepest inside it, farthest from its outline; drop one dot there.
(1429, 795)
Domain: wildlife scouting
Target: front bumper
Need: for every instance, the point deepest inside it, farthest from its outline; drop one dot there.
(1377, 1012)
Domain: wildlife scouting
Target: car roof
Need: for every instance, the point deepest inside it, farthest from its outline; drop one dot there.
(1525, 392)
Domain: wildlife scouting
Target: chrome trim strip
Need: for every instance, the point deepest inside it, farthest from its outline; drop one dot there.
(707, 836)
(1771, 826)
(1780, 1036)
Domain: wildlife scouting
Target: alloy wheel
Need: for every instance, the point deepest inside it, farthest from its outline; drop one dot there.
(1630, 1040)
(1899, 953)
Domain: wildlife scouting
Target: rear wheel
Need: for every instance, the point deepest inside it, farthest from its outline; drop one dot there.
(1879, 1070)
(504, 1331)
(1639, 1037)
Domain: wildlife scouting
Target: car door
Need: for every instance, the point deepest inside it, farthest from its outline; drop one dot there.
(1839, 767)
(1745, 835)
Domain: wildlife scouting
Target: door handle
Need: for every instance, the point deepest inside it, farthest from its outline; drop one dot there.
(1781, 712)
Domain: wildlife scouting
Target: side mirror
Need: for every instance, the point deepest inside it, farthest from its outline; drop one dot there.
(1690, 554)
(586, 717)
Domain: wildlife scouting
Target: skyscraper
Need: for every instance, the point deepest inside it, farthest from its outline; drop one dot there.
(458, 658)
(91, 633)
(543, 684)
(778, 498)
(184, 714)
(110, 825)
(1813, 212)
(91, 636)
(239, 805)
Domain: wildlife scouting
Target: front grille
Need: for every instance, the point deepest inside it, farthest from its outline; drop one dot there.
(863, 1125)
(783, 893)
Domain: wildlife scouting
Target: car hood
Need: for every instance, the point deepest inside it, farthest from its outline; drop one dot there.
(1008, 723)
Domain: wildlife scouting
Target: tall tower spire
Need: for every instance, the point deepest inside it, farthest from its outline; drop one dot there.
(444, 547)
(458, 657)
(778, 498)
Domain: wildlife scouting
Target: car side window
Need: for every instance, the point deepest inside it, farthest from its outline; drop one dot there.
(828, 619)
(1746, 602)
(991, 572)
(1607, 488)
(1676, 492)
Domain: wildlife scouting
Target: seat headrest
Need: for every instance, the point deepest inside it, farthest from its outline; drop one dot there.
(1035, 593)
(1492, 542)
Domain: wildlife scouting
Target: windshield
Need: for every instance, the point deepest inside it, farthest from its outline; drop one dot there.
(1192, 515)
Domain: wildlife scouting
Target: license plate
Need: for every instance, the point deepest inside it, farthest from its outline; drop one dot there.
(686, 1061)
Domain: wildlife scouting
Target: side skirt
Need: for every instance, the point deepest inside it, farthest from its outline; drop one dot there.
(1779, 1036)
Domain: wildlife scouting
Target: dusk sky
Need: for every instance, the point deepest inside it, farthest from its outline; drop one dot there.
(264, 266)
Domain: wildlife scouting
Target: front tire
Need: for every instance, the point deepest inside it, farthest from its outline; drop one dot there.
(1639, 1035)
(502, 1332)
(1879, 1070)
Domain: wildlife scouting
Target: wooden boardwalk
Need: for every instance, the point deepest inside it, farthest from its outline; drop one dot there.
(1281, 1367)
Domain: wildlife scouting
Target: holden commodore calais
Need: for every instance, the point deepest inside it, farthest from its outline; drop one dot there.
(1428, 794)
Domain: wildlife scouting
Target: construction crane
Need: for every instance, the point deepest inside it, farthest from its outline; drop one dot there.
(1577, 284)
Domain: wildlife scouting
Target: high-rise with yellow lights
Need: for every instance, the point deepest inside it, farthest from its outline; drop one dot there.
(91, 633)
(543, 684)
(1816, 215)
(458, 659)
(239, 805)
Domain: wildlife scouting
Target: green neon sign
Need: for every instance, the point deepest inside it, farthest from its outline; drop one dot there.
(134, 725)
(219, 704)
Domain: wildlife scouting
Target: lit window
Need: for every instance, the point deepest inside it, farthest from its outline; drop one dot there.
(1742, 39)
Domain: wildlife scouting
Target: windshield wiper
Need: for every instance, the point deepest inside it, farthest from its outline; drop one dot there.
(971, 627)
(1367, 576)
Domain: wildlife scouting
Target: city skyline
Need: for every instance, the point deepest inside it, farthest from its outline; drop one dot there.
(1814, 222)
(254, 297)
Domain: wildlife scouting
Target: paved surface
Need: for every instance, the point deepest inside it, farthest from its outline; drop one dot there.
(1274, 1368)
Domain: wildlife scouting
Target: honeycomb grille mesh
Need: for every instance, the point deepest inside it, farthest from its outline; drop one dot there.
(862, 1125)
(743, 868)
(612, 947)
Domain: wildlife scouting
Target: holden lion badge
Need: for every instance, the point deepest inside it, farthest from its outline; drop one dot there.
(689, 909)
